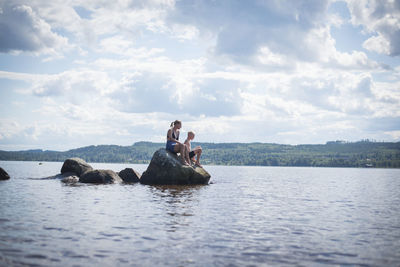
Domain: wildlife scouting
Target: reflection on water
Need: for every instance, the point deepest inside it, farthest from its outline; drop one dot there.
(250, 216)
(177, 202)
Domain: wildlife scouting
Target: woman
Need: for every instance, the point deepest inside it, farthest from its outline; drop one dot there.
(173, 143)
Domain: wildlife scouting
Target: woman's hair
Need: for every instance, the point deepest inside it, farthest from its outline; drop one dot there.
(175, 123)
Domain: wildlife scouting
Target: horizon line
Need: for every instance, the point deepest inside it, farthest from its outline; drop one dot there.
(257, 142)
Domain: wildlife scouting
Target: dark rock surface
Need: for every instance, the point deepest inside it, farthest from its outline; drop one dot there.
(100, 177)
(166, 169)
(129, 175)
(76, 165)
(4, 175)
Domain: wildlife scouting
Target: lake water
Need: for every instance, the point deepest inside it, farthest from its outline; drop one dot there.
(248, 216)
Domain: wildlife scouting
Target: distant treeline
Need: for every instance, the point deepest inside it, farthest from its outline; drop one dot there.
(332, 154)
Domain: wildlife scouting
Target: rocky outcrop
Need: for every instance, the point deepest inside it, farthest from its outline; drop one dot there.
(77, 170)
(129, 175)
(100, 177)
(4, 175)
(166, 169)
(76, 165)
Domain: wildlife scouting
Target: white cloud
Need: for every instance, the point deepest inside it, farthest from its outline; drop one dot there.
(242, 28)
(118, 45)
(321, 42)
(21, 76)
(76, 86)
(394, 134)
(266, 57)
(9, 127)
(37, 21)
(378, 44)
(266, 71)
(380, 18)
(273, 35)
(22, 30)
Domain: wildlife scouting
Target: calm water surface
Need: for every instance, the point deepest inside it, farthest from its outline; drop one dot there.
(248, 216)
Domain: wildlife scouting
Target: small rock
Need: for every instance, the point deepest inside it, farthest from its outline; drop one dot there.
(68, 177)
(4, 175)
(76, 165)
(100, 177)
(129, 175)
(70, 180)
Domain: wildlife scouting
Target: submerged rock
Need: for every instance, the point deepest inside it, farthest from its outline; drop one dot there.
(129, 175)
(68, 177)
(4, 175)
(100, 177)
(166, 169)
(76, 165)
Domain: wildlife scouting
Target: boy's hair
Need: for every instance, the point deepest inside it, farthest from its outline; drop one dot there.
(191, 133)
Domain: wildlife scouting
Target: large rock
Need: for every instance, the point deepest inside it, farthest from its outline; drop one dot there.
(165, 168)
(100, 177)
(76, 165)
(129, 175)
(4, 175)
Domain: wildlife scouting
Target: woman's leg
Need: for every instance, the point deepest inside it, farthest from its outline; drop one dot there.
(177, 148)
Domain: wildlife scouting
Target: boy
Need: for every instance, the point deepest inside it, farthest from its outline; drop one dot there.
(196, 151)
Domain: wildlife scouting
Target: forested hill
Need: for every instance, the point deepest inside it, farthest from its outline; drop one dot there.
(331, 154)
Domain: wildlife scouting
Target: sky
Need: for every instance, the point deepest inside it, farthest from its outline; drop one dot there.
(76, 73)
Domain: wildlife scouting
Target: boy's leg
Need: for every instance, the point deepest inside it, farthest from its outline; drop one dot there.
(182, 150)
(187, 155)
(198, 154)
(192, 155)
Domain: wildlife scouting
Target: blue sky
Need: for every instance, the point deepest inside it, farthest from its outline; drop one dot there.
(77, 73)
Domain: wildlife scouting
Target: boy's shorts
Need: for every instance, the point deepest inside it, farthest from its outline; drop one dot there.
(191, 154)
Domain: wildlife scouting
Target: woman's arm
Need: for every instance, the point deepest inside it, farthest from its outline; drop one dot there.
(169, 135)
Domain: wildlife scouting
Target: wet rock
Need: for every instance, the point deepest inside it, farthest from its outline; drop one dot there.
(165, 168)
(76, 165)
(3, 174)
(100, 177)
(60, 176)
(129, 175)
(67, 177)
